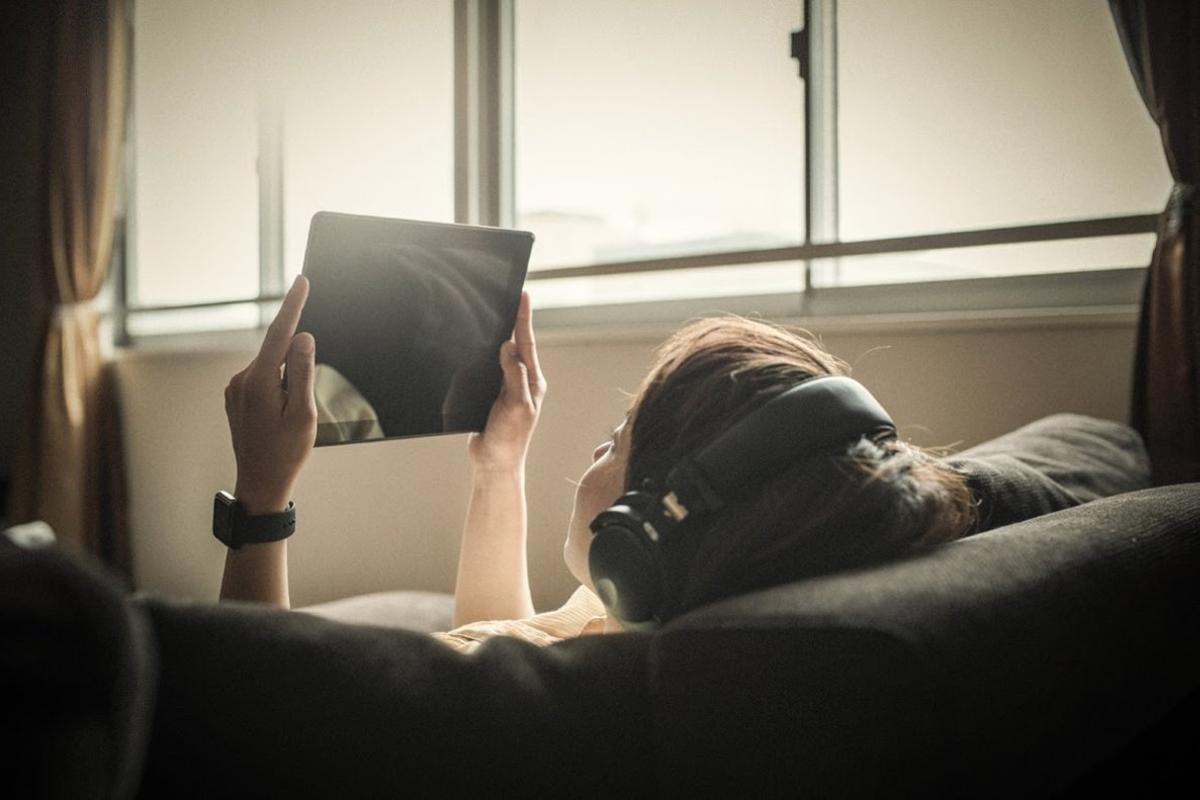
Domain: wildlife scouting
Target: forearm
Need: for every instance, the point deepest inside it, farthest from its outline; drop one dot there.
(257, 573)
(493, 571)
(272, 432)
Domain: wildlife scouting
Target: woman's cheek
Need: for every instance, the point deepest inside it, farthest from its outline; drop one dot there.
(611, 487)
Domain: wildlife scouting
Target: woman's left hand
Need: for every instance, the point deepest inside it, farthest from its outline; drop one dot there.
(502, 445)
(273, 430)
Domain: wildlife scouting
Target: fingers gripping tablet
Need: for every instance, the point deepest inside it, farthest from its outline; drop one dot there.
(408, 318)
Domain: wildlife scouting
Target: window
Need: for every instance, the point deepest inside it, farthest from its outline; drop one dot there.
(627, 149)
(963, 115)
(659, 151)
(195, 143)
(250, 117)
(366, 115)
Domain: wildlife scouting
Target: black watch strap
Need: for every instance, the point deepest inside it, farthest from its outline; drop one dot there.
(234, 527)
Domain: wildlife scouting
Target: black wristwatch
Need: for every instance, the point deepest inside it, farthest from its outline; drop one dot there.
(234, 527)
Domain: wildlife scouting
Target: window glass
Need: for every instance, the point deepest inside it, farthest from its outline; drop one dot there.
(351, 102)
(368, 121)
(956, 115)
(643, 130)
(992, 261)
(194, 144)
(646, 129)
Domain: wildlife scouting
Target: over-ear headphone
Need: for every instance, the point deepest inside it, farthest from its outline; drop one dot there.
(813, 418)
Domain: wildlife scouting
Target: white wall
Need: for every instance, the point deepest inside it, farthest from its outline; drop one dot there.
(387, 515)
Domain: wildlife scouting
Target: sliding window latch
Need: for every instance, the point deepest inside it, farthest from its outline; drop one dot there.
(799, 51)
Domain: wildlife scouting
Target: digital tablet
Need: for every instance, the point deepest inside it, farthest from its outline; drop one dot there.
(408, 318)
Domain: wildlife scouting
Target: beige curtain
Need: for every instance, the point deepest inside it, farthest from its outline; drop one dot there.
(69, 473)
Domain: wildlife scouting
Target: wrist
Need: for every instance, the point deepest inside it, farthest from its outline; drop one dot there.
(258, 500)
(251, 551)
(484, 475)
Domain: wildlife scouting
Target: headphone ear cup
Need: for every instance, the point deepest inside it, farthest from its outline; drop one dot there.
(626, 573)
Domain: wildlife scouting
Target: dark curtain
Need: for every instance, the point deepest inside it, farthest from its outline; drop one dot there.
(1161, 39)
(69, 472)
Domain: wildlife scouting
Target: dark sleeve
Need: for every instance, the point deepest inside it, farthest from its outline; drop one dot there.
(1051, 464)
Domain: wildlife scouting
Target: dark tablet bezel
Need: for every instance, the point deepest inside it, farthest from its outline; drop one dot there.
(517, 249)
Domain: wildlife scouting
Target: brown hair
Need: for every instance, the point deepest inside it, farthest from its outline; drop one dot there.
(879, 499)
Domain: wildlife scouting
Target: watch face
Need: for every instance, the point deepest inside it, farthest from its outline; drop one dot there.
(223, 517)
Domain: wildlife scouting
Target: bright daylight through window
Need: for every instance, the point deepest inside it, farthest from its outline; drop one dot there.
(250, 117)
(958, 116)
(658, 129)
(641, 132)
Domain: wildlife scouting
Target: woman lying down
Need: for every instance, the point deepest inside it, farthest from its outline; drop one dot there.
(747, 459)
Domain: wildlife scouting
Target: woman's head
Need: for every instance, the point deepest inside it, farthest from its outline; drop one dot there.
(874, 500)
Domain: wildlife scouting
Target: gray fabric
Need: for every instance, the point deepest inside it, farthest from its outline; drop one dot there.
(1051, 464)
(1008, 662)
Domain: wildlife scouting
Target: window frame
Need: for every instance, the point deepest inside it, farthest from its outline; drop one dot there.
(485, 194)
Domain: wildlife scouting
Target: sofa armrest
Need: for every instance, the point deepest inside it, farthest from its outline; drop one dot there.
(77, 678)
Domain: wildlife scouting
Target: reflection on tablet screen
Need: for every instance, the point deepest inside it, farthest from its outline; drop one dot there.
(408, 318)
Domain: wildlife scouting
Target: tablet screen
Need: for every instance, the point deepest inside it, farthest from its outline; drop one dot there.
(408, 318)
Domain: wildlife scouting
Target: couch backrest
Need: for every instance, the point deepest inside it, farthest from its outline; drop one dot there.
(274, 703)
(1012, 660)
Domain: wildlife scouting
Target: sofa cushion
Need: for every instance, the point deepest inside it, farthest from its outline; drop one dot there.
(1051, 464)
(410, 610)
(1011, 661)
(1007, 662)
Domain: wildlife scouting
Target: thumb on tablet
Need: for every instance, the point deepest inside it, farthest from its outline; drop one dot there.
(301, 367)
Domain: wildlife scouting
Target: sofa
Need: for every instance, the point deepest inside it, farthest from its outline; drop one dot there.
(1053, 656)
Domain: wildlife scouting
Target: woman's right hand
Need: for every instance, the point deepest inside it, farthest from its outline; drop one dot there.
(273, 430)
(502, 445)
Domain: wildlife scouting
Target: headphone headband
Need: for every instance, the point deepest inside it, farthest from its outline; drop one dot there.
(837, 410)
(813, 418)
